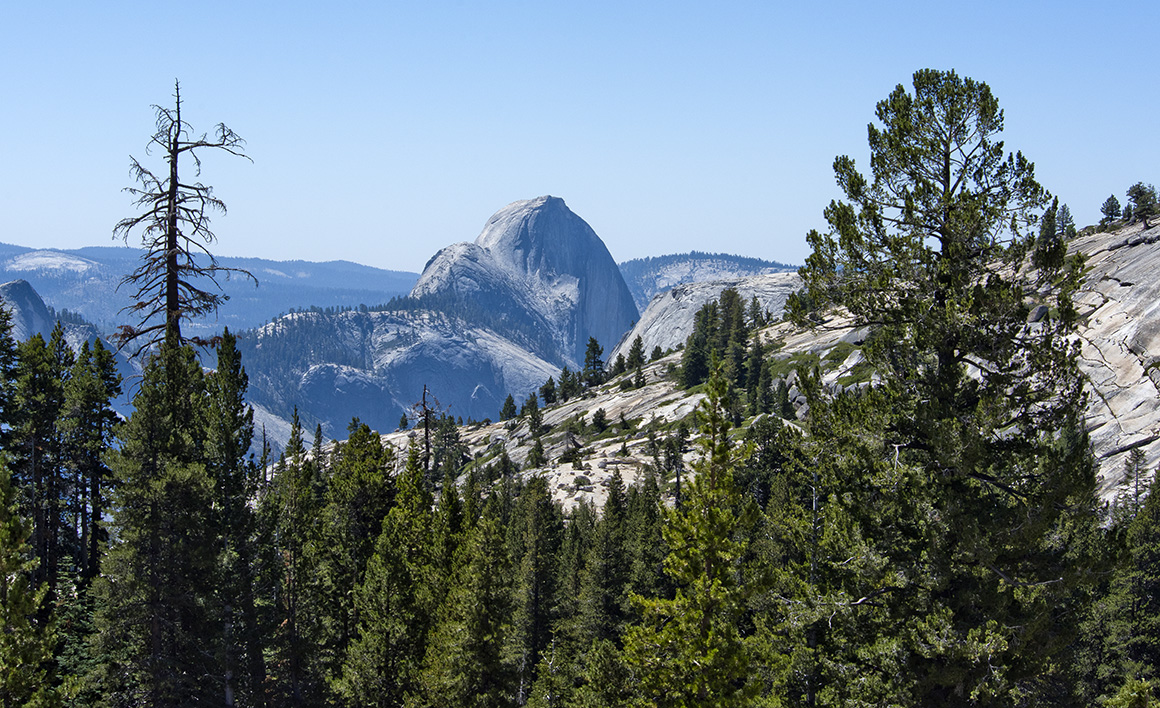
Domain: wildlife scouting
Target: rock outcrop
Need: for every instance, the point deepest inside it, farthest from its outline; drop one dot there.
(1119, 332)
(29, 314)
(668, 319)
(647, 277)
(540, 275)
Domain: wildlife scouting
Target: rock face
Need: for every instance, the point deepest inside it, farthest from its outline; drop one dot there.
(29, 313)
(1119, 333)
(646, 277)
(668, 319)
(541, 276)
(374, 365)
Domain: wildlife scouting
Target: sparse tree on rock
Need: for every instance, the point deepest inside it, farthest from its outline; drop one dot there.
(509, 408)
(1065, 223)
(1143, 198)
(1050, 249)
(1110, 210)
(635, 354)
(593, 365)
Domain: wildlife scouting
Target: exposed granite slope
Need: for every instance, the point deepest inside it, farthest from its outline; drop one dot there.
(668, 319)
(1120, 335)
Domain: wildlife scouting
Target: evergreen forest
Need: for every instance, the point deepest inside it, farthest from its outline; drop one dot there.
(930, 536)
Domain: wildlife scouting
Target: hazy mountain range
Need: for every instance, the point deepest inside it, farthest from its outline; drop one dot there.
(486, 318)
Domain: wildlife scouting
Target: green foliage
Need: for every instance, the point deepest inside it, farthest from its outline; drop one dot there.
(26, 646)
(155, 595)
(508, 411)
(593, 373)
(635, 354)
(689, 650)
(599, 421)
(618, 367)
(531, 411)
(1110, 210)
(537, 457)
(1065, 223)
(967, 471)
(1050, 248)
(548, 391)
(8, 364)
(1135, 693)
(465, 664)
(394, 602)
(358, 495)
(539, 532)
(1143, 198)
(603, 603)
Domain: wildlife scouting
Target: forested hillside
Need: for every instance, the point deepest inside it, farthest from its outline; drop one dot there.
(889, 497)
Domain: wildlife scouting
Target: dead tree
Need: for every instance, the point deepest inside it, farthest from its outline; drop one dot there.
(174, 227)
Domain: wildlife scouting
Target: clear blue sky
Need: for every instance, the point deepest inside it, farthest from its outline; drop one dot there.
(382, 131)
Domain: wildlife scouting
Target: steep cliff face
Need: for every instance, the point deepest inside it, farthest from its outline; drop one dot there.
(536, 267)
(29, 313)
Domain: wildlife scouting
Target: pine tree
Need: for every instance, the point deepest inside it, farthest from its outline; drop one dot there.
(358, 496)
(1143, 198)
(1110, 210)
(537, 457)
(593, 373)
(508, 411)
(540, 526)
(26, 646)
(229, 435)
(8, 368)
(698, 347)
(1142, 584)
(86, 425)
(465, 663)
(1065, 223)
(689, 650)
(548, 391)
(382, 665)
(39, 448)
(174, 226)
(635, 354)
(155, 595)
(618, 367)
(982, 415)
(290, 510)
(1050, 249)
(604, 606)
(531, 411)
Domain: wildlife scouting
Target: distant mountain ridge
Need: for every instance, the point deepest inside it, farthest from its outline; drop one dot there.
(486, 319)
(648, 276)
(85, 280)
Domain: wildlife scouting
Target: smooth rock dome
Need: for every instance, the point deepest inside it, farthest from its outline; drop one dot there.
(537, 264)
